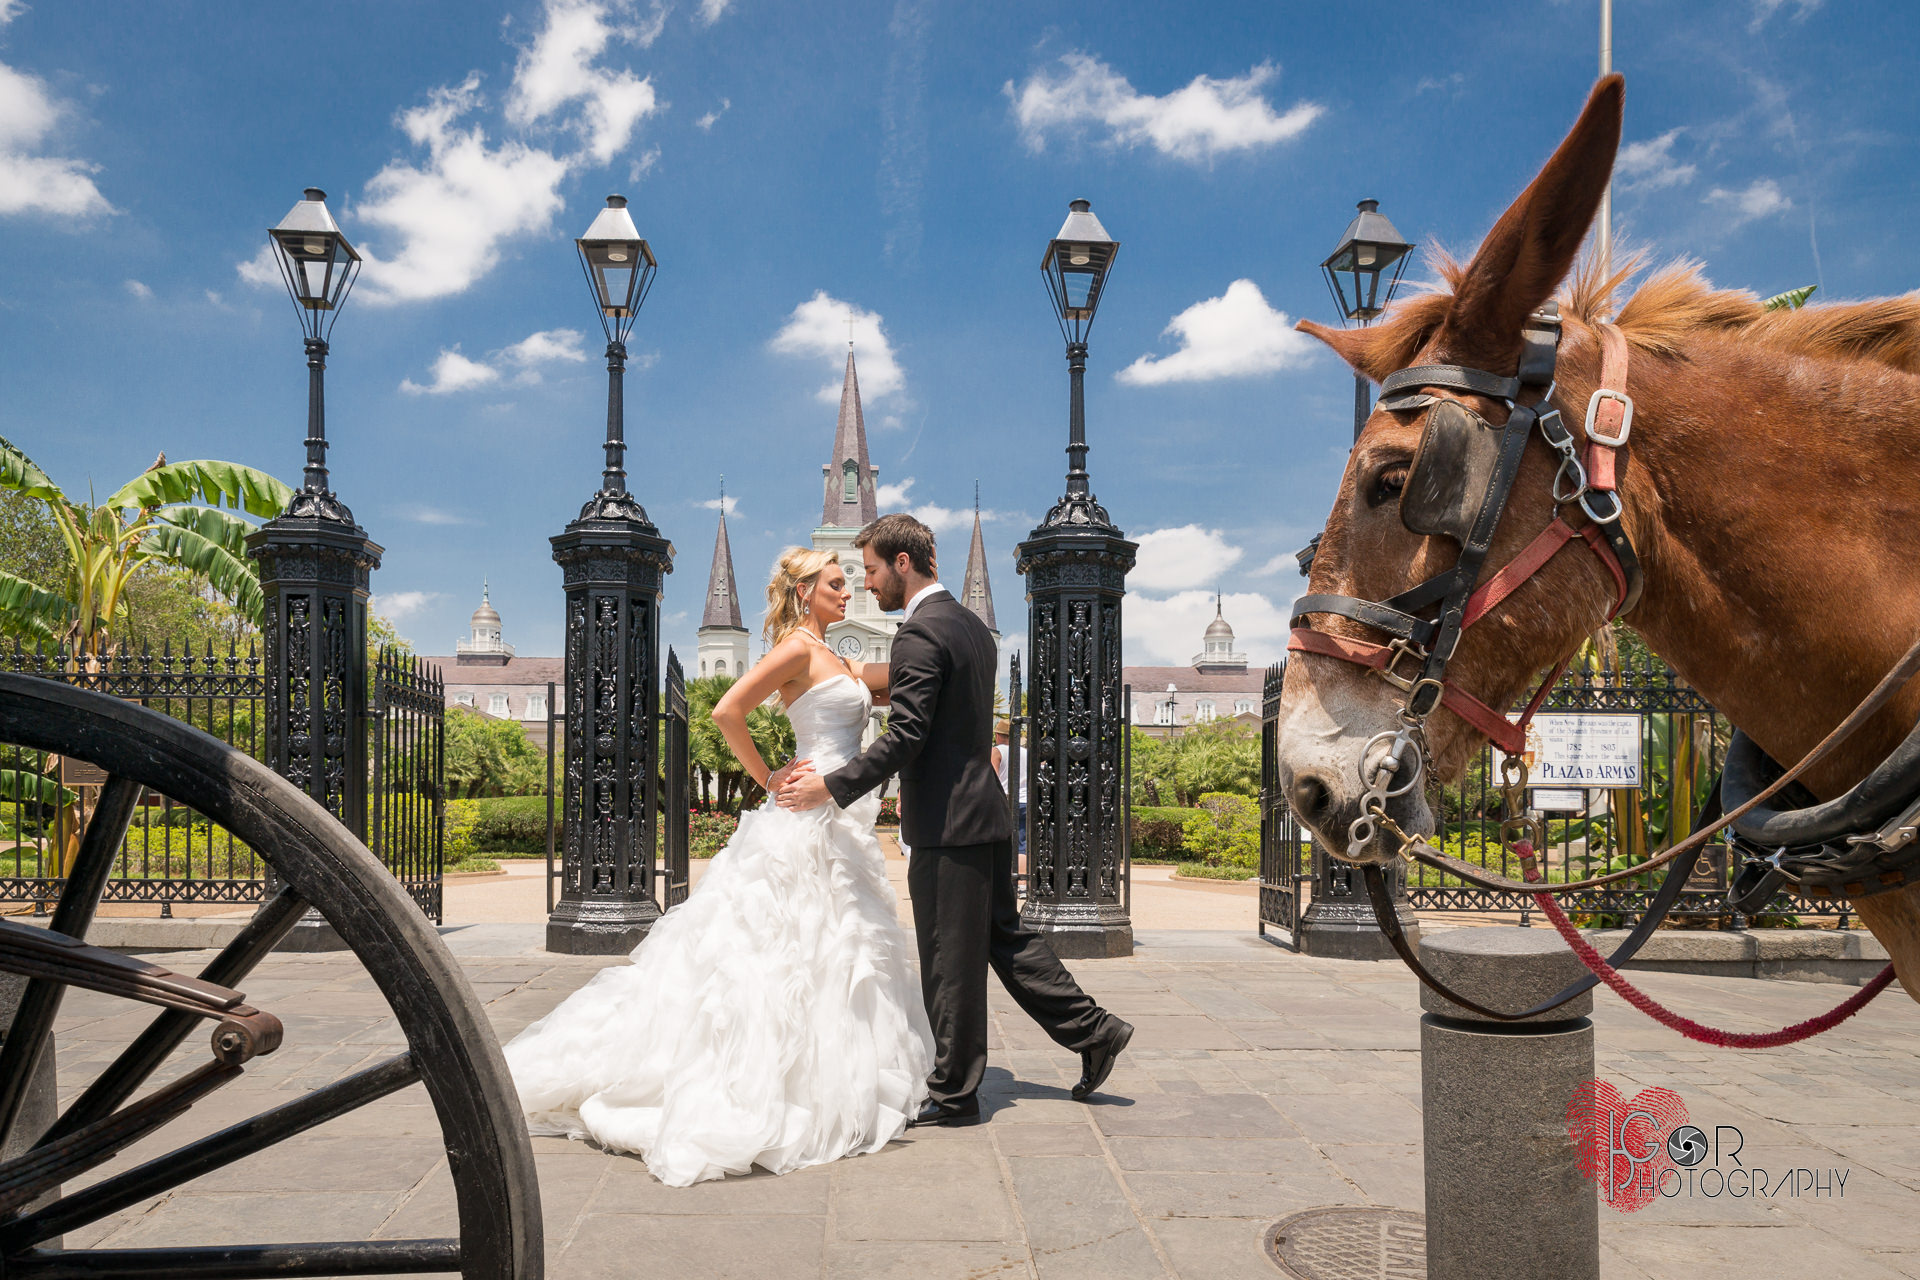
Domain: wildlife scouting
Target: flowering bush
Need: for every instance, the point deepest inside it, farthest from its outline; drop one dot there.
(710, 831)
(890, 812)
(1224, 831)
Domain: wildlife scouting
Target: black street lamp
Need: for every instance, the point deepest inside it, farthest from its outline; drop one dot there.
(1076, 563)
(1370, 249)
(612, 561)
(315, 564)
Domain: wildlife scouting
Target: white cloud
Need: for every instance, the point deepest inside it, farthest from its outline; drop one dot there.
(1761, 198)
(139, 291)
(1169, 631)
(11, 9)
(1232, 336)
(260, 269)
(1649, 164)
(705, 122)
(710, 11)
(451, 213)
(433, 515)
(1281, 563)
(1181, 556)
(397, 606)
(545, 347)
(899, 497)
(715, 504)
(1764, 9)
(55, 185)
(643, 165)
(558, 70)
(818, 327)
(453, 372)
(1202, 120)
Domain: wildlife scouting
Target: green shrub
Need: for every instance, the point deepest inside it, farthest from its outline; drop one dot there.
(507, 827)
(1158, 832)
(890, 812)
(1224, 831)
(1201, 871)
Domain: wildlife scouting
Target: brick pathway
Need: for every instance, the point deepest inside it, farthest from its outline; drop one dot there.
(1261, 1083)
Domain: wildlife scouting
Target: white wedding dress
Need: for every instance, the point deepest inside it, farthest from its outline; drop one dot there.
(774, 1018)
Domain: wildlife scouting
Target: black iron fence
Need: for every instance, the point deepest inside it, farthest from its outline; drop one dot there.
(408, 726)
(1589, 829)
(174, 854)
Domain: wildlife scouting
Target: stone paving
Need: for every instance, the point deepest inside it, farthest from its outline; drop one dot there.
(1261, 1083)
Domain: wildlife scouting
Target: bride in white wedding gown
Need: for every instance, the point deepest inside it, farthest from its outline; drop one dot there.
(774, 1018)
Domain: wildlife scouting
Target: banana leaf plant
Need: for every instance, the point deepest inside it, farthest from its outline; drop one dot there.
(169, 514)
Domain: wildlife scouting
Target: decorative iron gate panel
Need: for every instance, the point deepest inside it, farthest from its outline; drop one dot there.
(678, 765)
(1285, 853)
(409, 730)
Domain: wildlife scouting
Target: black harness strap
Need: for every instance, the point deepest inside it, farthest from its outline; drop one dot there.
(1454, 376)
(1671, 885)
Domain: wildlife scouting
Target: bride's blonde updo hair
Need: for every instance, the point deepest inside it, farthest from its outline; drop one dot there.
(796, 567)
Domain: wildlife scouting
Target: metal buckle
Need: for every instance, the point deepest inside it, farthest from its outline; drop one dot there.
(1586, 505)
(1402, 648)
(1626, 423)
(1419, 688)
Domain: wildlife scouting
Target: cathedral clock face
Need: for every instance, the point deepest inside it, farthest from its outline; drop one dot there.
(850, 646)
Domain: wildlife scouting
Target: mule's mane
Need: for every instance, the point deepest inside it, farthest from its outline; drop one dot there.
(1677, 303)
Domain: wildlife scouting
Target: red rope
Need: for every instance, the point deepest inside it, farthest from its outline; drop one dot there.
(1688, 1027)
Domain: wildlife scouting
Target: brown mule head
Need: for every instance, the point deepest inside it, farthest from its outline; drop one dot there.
(1330, 710)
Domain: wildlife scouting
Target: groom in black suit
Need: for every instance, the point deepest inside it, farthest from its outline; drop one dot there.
(953, 813)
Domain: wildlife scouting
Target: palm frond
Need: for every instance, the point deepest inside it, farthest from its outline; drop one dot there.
(231, 575)
(19, 473)
(1791, 300)
(29, 612)
(220, 484)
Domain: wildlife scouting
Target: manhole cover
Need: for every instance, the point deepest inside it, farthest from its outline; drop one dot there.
(1351, 1244)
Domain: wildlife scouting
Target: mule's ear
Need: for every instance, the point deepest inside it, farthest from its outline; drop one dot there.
(1360, 348)
(1531, 248)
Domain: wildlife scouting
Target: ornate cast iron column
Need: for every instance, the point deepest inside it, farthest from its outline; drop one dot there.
(314, 564)
(612, 561)
(1076, 564)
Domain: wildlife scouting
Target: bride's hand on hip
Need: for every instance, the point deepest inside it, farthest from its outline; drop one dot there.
(804, 791)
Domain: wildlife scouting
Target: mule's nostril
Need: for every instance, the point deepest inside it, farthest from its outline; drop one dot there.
(1311, 799)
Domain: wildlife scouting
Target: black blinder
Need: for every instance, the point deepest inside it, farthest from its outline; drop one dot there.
(1447, 481)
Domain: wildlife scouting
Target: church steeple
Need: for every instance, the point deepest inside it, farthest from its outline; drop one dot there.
(723, 595)
(850, 477)
(722, 648)
(977, 593)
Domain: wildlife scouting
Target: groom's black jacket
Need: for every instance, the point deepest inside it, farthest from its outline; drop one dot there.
(939, 736)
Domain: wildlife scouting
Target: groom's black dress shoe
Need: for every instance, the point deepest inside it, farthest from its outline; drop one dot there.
(947, 1118)
(1097, 1064)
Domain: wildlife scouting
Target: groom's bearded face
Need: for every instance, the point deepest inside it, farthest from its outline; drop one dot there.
(887, 587)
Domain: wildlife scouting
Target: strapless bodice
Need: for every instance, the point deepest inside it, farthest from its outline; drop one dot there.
(828, 720)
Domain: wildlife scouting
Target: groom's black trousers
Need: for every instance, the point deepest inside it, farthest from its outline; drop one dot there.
(966, 918)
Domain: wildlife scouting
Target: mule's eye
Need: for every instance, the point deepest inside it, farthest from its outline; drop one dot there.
(1388, 484)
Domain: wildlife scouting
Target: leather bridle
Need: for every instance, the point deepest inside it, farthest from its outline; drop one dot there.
(1424, 624)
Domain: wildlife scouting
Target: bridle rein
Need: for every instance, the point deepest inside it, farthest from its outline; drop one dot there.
(1461, 454)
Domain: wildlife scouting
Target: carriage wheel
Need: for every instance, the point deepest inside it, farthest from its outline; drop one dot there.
(451, 1047)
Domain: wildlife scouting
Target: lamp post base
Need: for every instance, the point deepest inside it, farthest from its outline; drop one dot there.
(314, 934)
(579, 928)
(1080, 933)
(1347, 931)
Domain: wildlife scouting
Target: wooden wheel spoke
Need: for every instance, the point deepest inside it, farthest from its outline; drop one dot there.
(196, 1159)
(163, 1035)
(242, 1262)
(26, 1178)
(40, 1002)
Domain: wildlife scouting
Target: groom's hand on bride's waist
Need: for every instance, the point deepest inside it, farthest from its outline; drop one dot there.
(778, 778)
(804, 789)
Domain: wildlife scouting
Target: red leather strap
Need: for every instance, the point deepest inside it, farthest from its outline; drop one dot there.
(1506, 735)
(1518, 570)
(1609, 413)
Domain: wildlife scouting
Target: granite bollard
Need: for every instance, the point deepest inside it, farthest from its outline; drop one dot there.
(1505, 1196)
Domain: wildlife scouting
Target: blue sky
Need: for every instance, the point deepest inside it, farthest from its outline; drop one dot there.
(906, 162)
